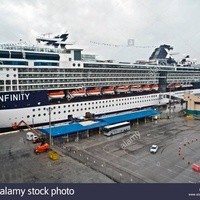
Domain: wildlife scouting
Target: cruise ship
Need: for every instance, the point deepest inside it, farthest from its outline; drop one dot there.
(55, 81)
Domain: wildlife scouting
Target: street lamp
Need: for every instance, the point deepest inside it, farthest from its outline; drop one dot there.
(49, 110)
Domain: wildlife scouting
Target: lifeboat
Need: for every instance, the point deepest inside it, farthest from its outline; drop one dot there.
(135, 88)
(95, 91)
(170, 85)
(109, 90)
(77, 93)
(146, 88)
(122, 89)
(177, 85)
(154, 87)
(56, 94)
(174, 85)
(186, 85)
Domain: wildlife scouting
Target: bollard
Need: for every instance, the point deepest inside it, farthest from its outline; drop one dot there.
(184, 144)
(188, 142)
(179, 153)
(188, 162)
(196, 139)
(183, 157)
(192, 141)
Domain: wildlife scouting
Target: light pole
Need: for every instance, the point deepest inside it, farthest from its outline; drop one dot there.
(49, 110)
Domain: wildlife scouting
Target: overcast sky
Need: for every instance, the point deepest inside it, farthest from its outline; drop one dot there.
(148, 22)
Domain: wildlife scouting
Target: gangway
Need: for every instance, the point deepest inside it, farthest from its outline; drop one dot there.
(15, 126)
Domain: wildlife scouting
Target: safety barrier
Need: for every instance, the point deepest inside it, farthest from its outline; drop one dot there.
(195, 167)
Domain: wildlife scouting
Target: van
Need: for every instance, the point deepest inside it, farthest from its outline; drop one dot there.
(30, 135)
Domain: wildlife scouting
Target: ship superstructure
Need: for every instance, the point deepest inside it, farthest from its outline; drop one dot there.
(36, 78)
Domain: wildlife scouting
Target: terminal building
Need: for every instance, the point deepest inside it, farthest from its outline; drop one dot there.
(192, 104)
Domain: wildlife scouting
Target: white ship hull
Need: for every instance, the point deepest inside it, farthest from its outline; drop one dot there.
(39, 114)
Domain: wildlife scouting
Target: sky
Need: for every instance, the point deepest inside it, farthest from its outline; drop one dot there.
(92, 23)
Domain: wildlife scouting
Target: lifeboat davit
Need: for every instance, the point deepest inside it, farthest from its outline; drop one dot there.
(154, 87)
(109, 90)
(77, 93)
(146, 88)
(56, 94)
(135, 88)
(95, 91)
(122, 89)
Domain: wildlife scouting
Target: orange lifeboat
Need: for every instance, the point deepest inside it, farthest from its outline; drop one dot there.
(95, 91)
(154, 87)
(177, 85)
(77, 93)
(135, 88)
(174, 85)
(146, 88)
(170, 85)
(56, 94)
(122, 89)
(109, 90)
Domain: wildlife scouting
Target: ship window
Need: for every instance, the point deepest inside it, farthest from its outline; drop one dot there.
(41, 56)
(44, 114)
(77, 55)
(74, 64)
(69, 111)
(64, 111)
(4, 54)
(54, 113)
(28, 116)
(38, 115)
(33, 115)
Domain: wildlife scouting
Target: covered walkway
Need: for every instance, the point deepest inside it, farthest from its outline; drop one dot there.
(97, 123)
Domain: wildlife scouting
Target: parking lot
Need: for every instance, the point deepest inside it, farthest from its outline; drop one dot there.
(19, 164)
(125, 158)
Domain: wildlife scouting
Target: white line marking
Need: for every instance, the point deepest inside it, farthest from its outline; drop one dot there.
(183, 168)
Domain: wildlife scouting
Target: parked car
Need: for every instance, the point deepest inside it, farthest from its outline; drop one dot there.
(154, 148)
